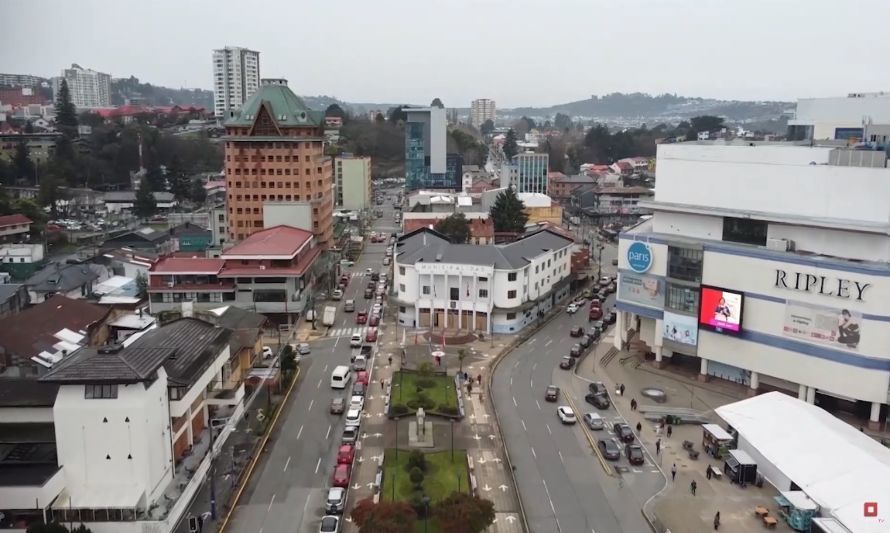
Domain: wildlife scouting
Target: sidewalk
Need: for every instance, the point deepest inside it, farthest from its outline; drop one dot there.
(674, 507)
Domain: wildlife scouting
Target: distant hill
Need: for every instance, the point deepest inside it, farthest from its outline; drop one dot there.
(123, 89)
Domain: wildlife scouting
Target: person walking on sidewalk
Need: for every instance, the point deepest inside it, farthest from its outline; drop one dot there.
(670, 430)
(717, 521)
(633, 404)
(621, 390)
(657, 446)
(674, 472)
(708, 472)
(639, 427)
(389, 361)
(693, 486)
(382, 384)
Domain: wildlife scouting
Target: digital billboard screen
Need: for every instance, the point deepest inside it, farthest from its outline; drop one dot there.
(720, 310)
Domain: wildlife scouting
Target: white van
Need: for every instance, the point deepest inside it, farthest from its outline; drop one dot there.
(340, 377)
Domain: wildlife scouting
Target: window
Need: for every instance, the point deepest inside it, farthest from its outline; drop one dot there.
(483, 293)
(685, 263)
(745, 230)
(426, 289)
(511, 294)
(401, 309)
(511, 316)
(100, 392)
(511, 276)
(401, 271)
(681, 298)
(454, 293)
(401, 287)
(269, 296)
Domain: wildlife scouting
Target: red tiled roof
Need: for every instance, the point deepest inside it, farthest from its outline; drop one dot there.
(236, 270)
(479, 227)
(32, 331)
(275, 241)
(187, 265)
(14, 220)
(624, 165)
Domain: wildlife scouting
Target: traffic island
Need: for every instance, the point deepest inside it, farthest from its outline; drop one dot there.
(435, 393)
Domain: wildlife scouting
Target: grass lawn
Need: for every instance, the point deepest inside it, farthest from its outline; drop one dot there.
(405, 390)
(440, 479)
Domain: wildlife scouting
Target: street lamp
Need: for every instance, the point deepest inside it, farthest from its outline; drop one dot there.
(452, 446)
(426, 514)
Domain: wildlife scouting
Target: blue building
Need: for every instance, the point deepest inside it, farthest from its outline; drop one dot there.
(426, 164)
(528, 172)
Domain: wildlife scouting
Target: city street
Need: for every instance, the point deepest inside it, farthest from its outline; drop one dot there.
(561, 481)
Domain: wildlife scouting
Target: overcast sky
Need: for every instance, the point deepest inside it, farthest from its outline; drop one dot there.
(518, 52)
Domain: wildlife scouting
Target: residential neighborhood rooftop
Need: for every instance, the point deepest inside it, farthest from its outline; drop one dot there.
(277, 242)
(33, 330)
(14, 220)
(55, 277)
(21, 392)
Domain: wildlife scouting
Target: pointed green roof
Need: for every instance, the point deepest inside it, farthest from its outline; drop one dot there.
(288, 109)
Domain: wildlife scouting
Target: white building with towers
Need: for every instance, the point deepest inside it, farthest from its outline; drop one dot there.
(236, 76)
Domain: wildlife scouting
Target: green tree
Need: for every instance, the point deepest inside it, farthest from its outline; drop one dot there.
(334, 110)
(703, 123)
(197, 192)
(462, 513)
(425, 370)
(396, 114)
(49, 193)
(487, 127)
(66, 114)
(562, 121)
(288, 360)
(146, 205)
(142, 285)
(510, 146)
(461, 355)
(179, 184)
(30, 209)
(456, 227)
(23, 167)
(379, 118)
(383, 517)
(508, 212)
(437, 102)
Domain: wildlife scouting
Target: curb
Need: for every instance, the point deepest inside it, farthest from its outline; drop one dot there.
(256, 458)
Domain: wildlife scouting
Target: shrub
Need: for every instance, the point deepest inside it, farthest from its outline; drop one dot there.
(416, 459)
(424, 383)
(446, 409)
(398, 410)
(416, 476)
(416, 501)
(422, 400)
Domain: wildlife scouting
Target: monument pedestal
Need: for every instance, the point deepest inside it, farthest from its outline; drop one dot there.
(421, 439)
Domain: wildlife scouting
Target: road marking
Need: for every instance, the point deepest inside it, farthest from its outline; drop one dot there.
(325, 369)
(319, 385)
(299, 432)
(270, 503)
(548, 429)
(523, 424)
(511, 381)
(548, 343)
(532, 341)
(285, 465)
(547, 490)
(531, 383)
(514, 402)
(328, 434)
(317, 465)
(539, 405)
(335, 344)
(534, 366)
(310, 404)
(533, 452)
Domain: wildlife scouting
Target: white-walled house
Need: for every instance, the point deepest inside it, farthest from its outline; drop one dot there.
(489, 288)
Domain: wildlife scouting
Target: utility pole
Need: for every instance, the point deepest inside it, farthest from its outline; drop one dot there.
(212, 477)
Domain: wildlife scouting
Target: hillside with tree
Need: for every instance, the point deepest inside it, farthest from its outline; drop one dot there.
(131, 89)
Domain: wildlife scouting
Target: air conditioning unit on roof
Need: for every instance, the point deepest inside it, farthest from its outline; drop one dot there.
(781, 245)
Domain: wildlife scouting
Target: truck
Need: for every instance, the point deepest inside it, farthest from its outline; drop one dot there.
(330, 313)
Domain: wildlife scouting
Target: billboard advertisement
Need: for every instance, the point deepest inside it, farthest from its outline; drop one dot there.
(838, 328)
(641, 289)
(681, 329)
(721, 310)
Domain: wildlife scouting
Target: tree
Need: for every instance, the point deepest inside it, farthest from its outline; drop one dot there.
(461, 355)
(146, 205)
(141, 285)
(562, 121)
(456, 227)
(50, 193)
(155, 178)
(437, 103)
(462, 513)
(179, 185)
(396, 114)
(334, 110)
(66, 114)
(379, 118)
(703, 123)
(487, 127)
(23, 167)
(288, 360)
(510, 146)
(508, 212)
(383, 517)
(197, 192)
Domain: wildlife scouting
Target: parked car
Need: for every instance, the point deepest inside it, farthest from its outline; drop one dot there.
(566, 362)
(610, 317)
(595, 313)
(349, 306)
(361, 317)
(371, 285)
(355, 341)
(359, 389)
(598, 324)
(350, 435)
(623, 432)
(576, 331)
(572, 308)
(369, 293)
(338, 405)
(353, 418)
(336, 501)
(345, 454)
(374, 320)
(594, 334)
(597, 400)
(602, 294)
(371, 335)
(575, 351)
(361, 377)
(357, 402)
(593, 421)
(584, 341)
(341, 476)
(552, 393)
(596, 302)
(605, 281)
(609, 449)
(329, 524)
(566, 414)
(634, 454)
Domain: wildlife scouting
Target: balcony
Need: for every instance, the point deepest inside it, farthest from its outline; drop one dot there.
(225, 397)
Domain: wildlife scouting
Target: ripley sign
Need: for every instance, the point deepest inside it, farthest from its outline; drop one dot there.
(838, 287)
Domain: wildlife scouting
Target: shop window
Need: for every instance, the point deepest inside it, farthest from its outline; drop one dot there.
(681, 298)
(685, 263)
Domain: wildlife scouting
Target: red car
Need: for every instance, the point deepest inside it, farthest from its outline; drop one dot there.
(361, 317)
(596, 313)
(344, 280)
(345, 454)
(374, 320)
(341, 476)
(371, 335)
(361, 377)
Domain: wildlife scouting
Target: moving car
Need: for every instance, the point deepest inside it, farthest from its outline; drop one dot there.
(345, 454)
(344, 280)
(361, 317)
(350, 435)
(371, 335)
(552, 393)
(369, 293)
(623, 432)
(634, 453)
(576, 331)
(338, 405)
(593, 421)
(349, 306)
(302, 348)
(599, 401)
(375, 276)
(355, 341)
(329, 524)
(572, 308)
(566, 362)
(566, 414)
(597, 387)
(605, 281)
(575, 351)
(609, 449)
(336, 500)
(337, 294)
(353, 418)
(341, 476)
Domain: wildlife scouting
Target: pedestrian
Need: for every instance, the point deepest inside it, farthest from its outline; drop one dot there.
(466, 377)
(693, 486)
(382, 384)
(674, 472)
(657, 446)
(621, 389)
(633, 404)
(717, 521)
(639, 427)
(708, 472)
(479, 379)
(670, 430)
(389, 361)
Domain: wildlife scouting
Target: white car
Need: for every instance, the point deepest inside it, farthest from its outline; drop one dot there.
(337, 294)
(356, 341)
(566, 414)
(572, 308)
(605, 281)
(354, 418)
(267, 353)
(357, 402)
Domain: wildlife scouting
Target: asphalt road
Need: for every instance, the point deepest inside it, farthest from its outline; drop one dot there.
(561, 482)
(289, 487)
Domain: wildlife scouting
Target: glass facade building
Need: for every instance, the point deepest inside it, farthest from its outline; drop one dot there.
(528, 172)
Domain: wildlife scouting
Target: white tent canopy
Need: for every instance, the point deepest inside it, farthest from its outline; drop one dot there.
(838, 467)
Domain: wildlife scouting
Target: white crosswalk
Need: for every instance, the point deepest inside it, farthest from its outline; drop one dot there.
(348, 332)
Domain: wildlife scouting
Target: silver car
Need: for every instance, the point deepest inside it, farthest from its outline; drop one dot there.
(593, 421)
(336, 500)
